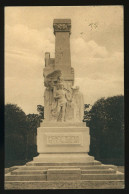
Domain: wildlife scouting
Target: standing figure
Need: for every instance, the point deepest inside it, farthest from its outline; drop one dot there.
(60, 97)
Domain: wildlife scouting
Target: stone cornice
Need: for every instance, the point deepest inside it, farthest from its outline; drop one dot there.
(61, 25)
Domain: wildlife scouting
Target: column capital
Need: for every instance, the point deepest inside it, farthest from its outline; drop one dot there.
(62, 25)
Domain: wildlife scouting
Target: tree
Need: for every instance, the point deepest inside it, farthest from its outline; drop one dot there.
(16, 127)
(107, 128)
(20, 133)
(34, 121)
(15, 119)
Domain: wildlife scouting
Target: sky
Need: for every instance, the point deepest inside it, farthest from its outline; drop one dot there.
(97, 51)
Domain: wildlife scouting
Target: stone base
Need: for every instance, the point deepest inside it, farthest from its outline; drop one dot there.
(63, 143)
(64, 163)
(63, 139)
(64, 158)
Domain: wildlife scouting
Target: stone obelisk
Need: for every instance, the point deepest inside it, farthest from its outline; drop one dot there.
(62, 136)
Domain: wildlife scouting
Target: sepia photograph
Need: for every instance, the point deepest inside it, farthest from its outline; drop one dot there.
(64, 97)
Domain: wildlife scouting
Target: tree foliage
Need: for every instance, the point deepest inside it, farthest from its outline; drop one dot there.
(106, 122)
(20, 134)
(16, 126)
(15, 119)
(34, 121)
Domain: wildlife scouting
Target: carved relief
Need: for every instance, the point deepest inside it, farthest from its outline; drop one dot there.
(62, 27)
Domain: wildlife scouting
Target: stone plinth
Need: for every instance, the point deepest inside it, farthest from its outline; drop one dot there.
(63, 139)
(64, 143)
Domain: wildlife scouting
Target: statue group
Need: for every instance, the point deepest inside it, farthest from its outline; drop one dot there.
(62, 102)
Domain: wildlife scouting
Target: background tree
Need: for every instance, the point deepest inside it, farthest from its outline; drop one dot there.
(20, 134)
(16, 126)
(107, 129)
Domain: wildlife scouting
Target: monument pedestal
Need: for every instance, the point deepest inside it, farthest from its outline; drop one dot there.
(64, 163)
(67, 142)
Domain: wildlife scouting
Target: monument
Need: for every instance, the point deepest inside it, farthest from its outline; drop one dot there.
(62, 136)
(63, 139)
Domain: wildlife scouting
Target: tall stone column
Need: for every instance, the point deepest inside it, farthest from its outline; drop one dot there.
(62, 31)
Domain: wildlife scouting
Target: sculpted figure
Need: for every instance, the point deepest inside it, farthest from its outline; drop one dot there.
(62, 102)
(60, 97)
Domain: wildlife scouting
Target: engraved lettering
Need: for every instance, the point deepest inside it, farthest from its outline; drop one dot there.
(63, 139)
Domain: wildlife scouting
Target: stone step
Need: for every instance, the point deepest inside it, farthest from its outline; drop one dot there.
(99, 171)
(26, 177)
(72, 177)
(64, 171)
(56, 173)
(102, 177)
(62, 164)
(22, 172)
(7, 170)
(83, 184)
(65, 176)
(60, 167)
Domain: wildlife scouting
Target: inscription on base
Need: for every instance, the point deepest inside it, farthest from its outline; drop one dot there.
(63, 139)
